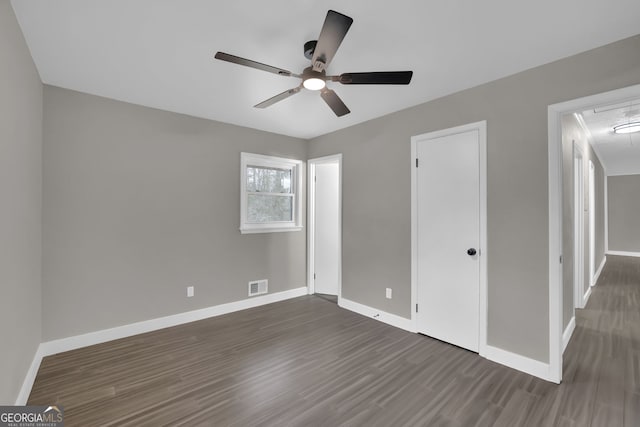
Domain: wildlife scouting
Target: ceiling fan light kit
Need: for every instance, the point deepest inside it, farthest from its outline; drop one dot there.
(314, 78)
(314, 83)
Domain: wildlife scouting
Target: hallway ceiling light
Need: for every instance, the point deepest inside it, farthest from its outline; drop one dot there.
(627, 128)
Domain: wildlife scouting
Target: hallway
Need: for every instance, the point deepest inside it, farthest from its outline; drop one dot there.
(601, 380)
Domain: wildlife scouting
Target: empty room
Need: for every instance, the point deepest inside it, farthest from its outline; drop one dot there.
(427, 217)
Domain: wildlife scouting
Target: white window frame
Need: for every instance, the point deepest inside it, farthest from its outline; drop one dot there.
(259, 160)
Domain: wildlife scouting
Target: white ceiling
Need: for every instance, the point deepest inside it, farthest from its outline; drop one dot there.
(159, 53)
(619, 154)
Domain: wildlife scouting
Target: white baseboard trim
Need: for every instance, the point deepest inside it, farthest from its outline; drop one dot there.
(568, 332)
(519, 362)
(503, 357)
(599, 271)
(585, 297)
(623, 253)
(30, 378)
(91, 338)
(374, 313)
(71, 343)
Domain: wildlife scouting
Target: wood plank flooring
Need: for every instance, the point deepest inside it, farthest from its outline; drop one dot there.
(306, 362)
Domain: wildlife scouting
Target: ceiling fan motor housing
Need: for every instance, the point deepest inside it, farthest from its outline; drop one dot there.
(309, 48)
(310, 73)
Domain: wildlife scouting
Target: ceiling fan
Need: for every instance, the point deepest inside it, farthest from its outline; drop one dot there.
(321, 52)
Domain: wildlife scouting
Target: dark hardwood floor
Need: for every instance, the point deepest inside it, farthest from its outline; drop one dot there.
(306, 362)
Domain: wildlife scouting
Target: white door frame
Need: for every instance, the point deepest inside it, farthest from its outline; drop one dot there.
(606, 213)
(554, 115)
(481, 127)
(578, 227)
(311, 200)
(592, 223)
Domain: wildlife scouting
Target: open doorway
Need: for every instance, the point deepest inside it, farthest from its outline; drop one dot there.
(325, 227)
(592, 117)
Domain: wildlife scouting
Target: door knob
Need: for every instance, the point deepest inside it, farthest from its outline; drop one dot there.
(471, 251)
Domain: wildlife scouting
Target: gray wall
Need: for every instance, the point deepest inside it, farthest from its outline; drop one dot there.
(573, 132)
(377, 203)
(21, 201)
(623, 195)
(139, 204)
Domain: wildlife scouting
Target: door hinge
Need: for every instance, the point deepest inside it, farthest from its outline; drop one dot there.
(416, 308)
(560, 259)
(416, 162)
(314, 276)
(315, 178)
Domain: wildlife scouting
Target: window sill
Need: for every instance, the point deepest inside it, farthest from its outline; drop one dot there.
(268, 230)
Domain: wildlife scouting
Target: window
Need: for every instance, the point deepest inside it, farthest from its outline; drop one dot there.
(270, 194)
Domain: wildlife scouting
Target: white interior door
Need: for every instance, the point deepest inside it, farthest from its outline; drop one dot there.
(448, 238)
(327, 228)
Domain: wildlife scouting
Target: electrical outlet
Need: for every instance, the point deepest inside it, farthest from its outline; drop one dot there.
(388, 294)
(190, 291)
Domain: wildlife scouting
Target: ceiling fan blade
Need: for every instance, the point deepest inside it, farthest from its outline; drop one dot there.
(333, 100)
(333, 31)
(279, 97)
(376, 78)
(253, 64)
